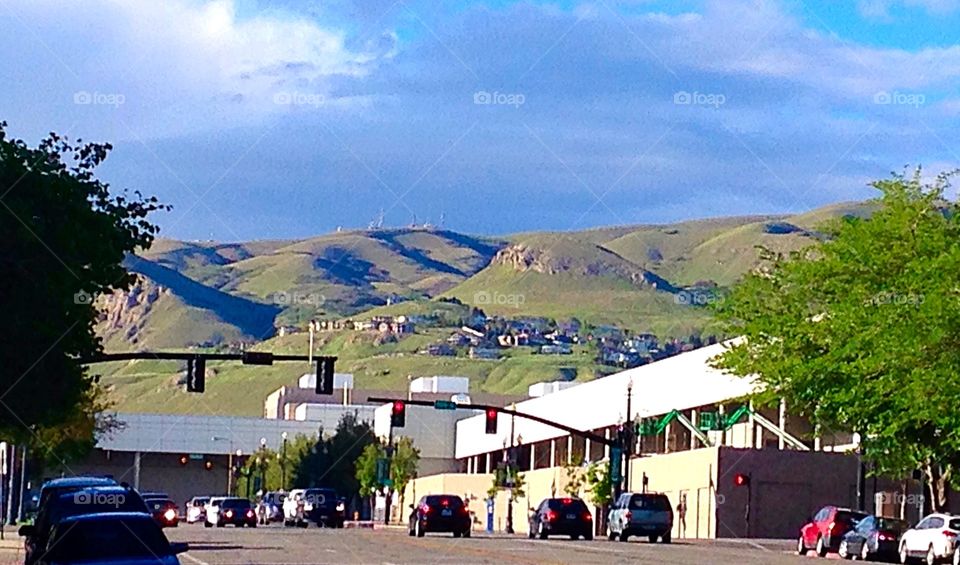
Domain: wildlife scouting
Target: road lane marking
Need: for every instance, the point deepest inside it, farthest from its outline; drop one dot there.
(194, 559)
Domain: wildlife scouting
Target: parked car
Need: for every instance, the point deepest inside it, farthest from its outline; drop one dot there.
(164, 511)
(154, 495)
(561, 516)
(322, 507)
(127, 538)
(89, 500)
(874, 537)
(274, 503)
(233, 511)
(442, 513)
(641, 514)
(211, 509)
(48, 491)
(826, 528)
(196, 509)
(294, 508)
(934, 538)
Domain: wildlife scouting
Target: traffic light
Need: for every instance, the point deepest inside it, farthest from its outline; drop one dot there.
(741, 480)
(325, 375)
(492, 417)
(196, 374)
(398, 414)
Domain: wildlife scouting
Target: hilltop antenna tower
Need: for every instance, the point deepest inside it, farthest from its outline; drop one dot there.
(377, 222)
(440, 223)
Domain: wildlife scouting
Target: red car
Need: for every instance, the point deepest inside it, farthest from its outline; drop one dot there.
(826, 528)
(164, 512)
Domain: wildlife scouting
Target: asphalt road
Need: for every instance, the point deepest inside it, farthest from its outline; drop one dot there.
(288, 546)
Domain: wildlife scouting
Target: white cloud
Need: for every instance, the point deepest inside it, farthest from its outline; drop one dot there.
(178, 64)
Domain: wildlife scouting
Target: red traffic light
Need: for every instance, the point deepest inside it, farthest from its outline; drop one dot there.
(741, 480)
(492, 417)
(398, 406)
(398, 414)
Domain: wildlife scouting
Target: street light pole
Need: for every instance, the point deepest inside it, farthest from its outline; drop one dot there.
(283, 462)
(511, 477)
(628, 448)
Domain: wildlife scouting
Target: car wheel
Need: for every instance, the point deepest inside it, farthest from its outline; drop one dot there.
(574, 537)
(466, 533)
(541, 531)
(456, 534)
(931, 556)
(842, 550)
(864, 551)
(624, 536)
(665, 538)
(956, 556)
(611, 535)
(207, 525)
(588, 536)
(821, 547)
(801, 548)
(253, 525)
(904, 556)
(653, 539)
(420, 531)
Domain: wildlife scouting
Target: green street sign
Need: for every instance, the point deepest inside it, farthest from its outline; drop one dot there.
(388, 483)
(444, 405)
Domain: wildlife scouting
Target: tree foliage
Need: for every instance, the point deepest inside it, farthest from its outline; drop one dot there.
(861, 331)
(63, 236)
(331, 461)
(597, 481)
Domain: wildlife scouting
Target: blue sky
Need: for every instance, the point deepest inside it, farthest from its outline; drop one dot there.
(260, 119)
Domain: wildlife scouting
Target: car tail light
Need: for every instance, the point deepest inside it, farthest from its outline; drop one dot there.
(551, 515)
(884, 537)
(950, 533)
(445, 502)
(228, 513)
(425, 509)
(587, 516)
(170, 514)
(628, 515)
(249, 513)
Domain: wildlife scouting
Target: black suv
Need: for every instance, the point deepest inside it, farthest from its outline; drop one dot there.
(440, 513)
(561, 516)
(322, 507)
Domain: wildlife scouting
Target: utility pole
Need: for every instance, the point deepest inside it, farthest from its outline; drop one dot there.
(628, 448)
(388, 490)
(511, 475)
(23, 484)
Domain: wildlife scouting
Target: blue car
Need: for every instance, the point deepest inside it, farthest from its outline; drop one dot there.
(114, 538)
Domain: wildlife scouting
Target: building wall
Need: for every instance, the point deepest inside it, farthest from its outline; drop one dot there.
(158, 472)
(433, 431)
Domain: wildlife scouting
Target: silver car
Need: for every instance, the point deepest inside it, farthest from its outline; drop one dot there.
(641, 514)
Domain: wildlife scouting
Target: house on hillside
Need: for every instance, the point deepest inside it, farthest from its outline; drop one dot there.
(487, 353)
(441, 350)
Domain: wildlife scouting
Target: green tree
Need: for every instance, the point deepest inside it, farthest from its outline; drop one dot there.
(860, 331)
(597, 481)
(576, 478)
(403, 466)
(331, 461)
(367, 478)
(63, 236)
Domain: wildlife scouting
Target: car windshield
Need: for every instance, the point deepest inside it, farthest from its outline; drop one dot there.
(647, 502)
(158, 504)
(449, 501)
(565, 504)
(109, 539)
(200, 501)
(94, 502)
(848, 517)
(891, 524)
(235, 503)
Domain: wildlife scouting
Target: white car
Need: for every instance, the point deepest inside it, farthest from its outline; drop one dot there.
(933, 538)
(294, 508)
(212, 511)
(196, 509)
